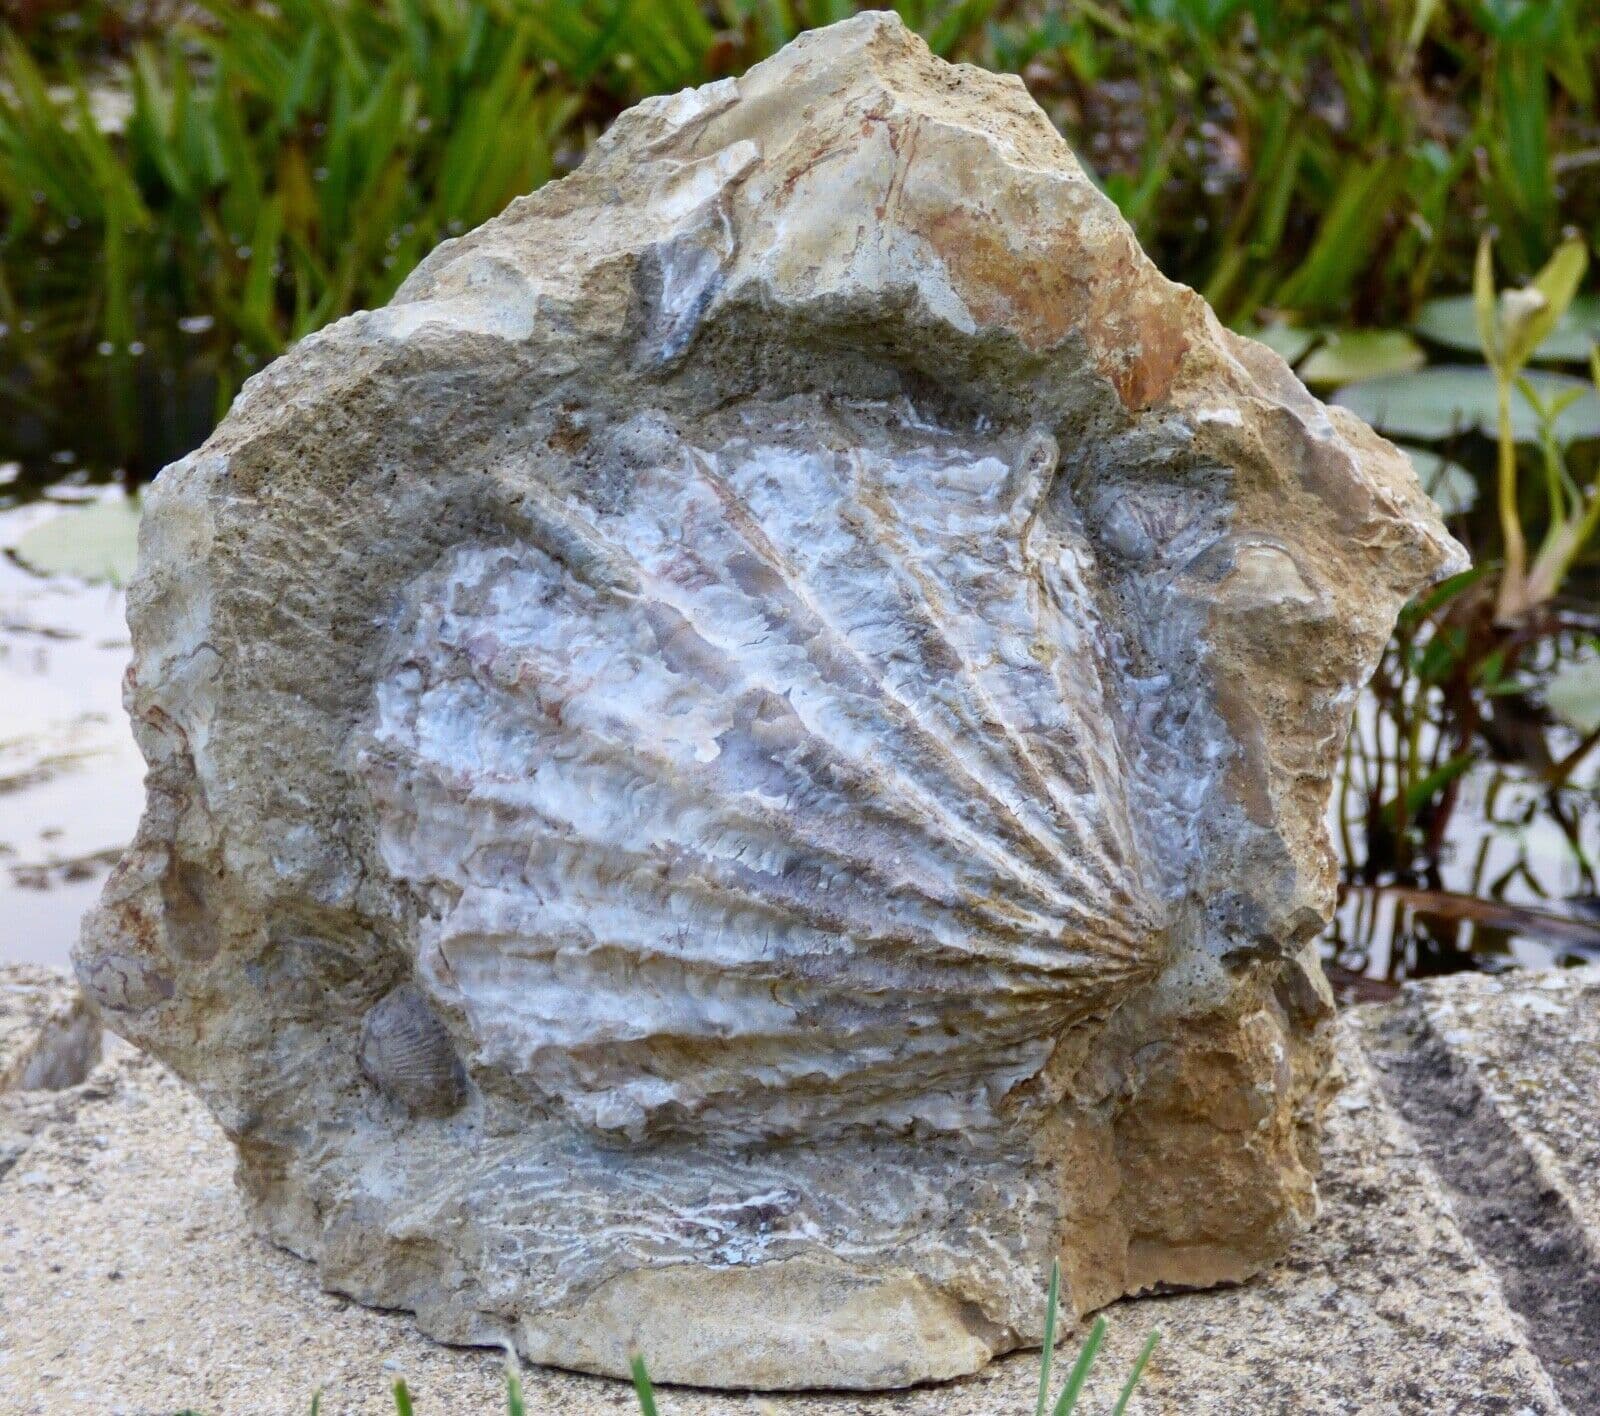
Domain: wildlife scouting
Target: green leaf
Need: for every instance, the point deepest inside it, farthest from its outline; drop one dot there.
(296, 93)
(1450, 321)
(1522, 154)
(257, 309)
(1554, 288)
(148, 132)
(1350, 227)
(1288, 342)
(1444, 592)
(1438, 403)
(1418, 28)
(515, 1406)
(97, 542)
(122, 202)
(1483, 301)
(642, 1388)
(1558, 281)
(1420, 793)
(1140, 1363)
(402, 1398)
(1453, 488)
(1440, 656)
(1491, 670)
(1362, 354)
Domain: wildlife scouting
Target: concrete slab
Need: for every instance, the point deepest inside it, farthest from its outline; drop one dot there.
(1531, 1044)
(131, 1282)
(1498, 1079)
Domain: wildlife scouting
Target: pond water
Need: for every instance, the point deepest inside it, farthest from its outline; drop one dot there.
(1515, 887)
(1514, 893)
(70, 776)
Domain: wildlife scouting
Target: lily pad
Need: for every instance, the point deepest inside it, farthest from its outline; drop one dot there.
(1362, 354)
(1573, 694)
(1288, 342)
(1453, 488)
(95, 542)
(1437, 403)
(1451, 322)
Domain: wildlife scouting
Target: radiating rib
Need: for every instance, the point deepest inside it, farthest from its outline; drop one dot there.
(746, 783)
(1037, 840)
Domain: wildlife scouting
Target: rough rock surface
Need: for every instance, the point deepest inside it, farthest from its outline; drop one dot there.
(1383, 1306)
(745, 763)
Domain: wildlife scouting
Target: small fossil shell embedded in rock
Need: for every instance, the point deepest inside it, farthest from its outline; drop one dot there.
(743, 766)
(407, 1053)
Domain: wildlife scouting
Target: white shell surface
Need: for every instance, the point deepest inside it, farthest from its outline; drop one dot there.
(794, 798)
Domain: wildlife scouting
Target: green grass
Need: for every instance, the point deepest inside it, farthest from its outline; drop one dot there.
(281, 165)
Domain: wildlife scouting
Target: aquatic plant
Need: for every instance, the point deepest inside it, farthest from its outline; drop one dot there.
(1464, 682)
(188, 188)
(276, 166)
(1510, 331)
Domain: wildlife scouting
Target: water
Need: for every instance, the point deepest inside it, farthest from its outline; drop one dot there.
(1513, 893)
(78, 418)
(70, 776)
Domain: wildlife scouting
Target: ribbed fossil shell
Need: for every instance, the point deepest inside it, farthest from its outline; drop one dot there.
(407, 1053)
(767, 783)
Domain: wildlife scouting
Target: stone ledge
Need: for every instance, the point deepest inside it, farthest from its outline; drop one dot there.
(1498, 1078)
(133, 1283)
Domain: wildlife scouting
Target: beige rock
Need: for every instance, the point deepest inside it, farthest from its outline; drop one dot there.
(744, 764)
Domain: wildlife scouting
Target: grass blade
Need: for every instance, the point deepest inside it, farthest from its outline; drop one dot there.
(1139, 1365)
(1052, 1305)
(641, 1385)
(1067, 1403)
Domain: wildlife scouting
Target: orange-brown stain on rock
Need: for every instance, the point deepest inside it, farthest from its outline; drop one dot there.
(1056, 288)
(1147, 377)
(1247, 775)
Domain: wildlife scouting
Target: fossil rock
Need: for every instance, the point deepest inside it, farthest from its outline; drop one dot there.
(744, 764)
